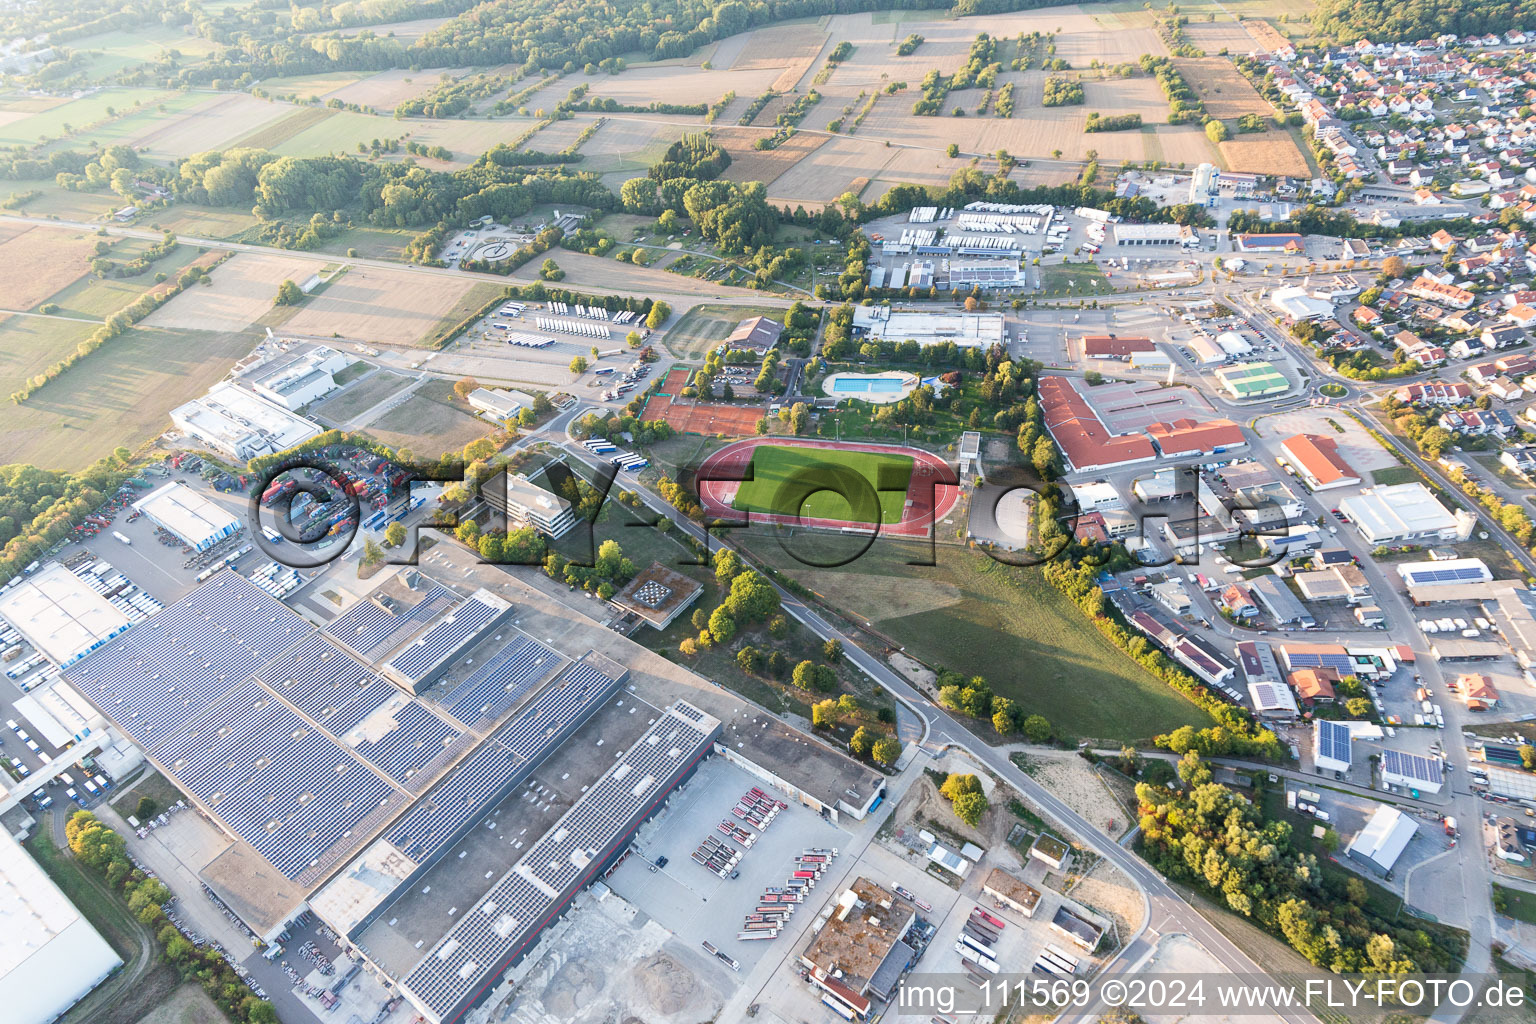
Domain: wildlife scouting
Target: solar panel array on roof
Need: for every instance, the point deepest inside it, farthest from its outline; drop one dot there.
(485, 777)
(1456, 574)
(416, 739)
(1340, 662)
(489, 937)
(326, 683)
(1413, 766)
(291, 800)
(371, 631)
(444, 638)
(1333, 741)
(171, 667)
(486, 693)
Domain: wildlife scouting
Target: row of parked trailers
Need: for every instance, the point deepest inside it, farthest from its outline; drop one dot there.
(778, 903)
(627, 461)
(578, 327)
(1055, 962)
(976, 944)
(758, 809)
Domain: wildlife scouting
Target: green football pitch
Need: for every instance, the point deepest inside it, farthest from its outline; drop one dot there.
(826, 483)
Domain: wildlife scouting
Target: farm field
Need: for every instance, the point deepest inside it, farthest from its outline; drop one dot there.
(92, 296)
(310, 87)
(130, 128)
(405, 31)
(1214, 36)
(242, 290)
(825, 483)
(655, 84)
(1225, 92)
(748, 164)
(705, 326)
(385, 90)
(50, 121)
(31, 344)
(276, 132)
(838, 165)
(1004, 623)
(121, 394)
(392, 307)
(1271, 152)
(53, 258)
(213, 123)
(430, 422)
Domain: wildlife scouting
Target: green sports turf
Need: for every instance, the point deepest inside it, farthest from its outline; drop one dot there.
(826, 483)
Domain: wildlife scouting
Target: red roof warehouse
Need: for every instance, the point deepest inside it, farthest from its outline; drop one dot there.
(1082, 437)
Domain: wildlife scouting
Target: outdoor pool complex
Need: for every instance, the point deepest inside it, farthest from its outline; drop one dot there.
(850, 385)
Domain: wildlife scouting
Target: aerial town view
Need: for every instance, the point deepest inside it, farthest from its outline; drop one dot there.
(576, 512)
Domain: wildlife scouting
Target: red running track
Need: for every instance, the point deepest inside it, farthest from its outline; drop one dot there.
(931, 495)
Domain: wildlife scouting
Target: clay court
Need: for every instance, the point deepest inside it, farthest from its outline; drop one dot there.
(931, 491)
(689, 416)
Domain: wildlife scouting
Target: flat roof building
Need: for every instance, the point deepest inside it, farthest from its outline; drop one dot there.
(59, 615)
(860, 951)
(1317, 461)
(196, 519)
(1385, 515)
(241, 423)
(1299, 304)
(968, 330)
(1383, 840)
(1332, 749)
(528, 504)
(1011, 891)
(1289, 243)
(1252, 380)
(50, 956)
(297, 377)
(1085, 442)
(499, 403)
(658, 595)
(1412, 771)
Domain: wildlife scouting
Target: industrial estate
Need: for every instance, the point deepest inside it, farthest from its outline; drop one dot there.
(534, 511)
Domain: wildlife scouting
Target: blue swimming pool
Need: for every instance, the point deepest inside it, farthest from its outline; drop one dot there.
(883, 385)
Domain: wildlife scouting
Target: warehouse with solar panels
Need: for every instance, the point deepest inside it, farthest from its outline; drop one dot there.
(347, 761)
(1332, 750)
(1412, 771)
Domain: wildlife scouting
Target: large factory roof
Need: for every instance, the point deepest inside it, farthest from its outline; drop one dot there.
(498, 930)
(59, 615)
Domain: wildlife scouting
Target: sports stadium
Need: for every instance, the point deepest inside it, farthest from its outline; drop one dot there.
(833, 485)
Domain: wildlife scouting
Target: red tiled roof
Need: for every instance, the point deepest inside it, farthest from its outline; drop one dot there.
(1314, 683)
(1098, 346)
(1317, 457)
(1082, 437)
(1188, 435)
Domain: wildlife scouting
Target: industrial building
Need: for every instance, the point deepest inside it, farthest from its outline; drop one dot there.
(196, 519)
(1085, 442)
(1011, 892)
(1388, 515)
(1332, 746)
(1383, 840)
(1186, 437)
(968, 330)
(1412, 771)
(499, 404)
(241, 423)
(1317, 461)
(58, 614)
(860, 951)
(423, 659)
(757, 334)
(1156, 234)
(295, 378)
(50, 956)
(1299, 304)
(1444, 573)
(1287, 243)
(1252, 380)
(527, 504)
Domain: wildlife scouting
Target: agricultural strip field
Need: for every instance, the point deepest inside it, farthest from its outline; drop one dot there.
(703, 327)
(392, 307)
(1214, 36)
(826, 483)
(430, 422)
(146, 120)
(77, 114)
(1225, 92)
(1272, 152)
(210, 125)
(830, 170)
(121, 394)
(243, 289)
(387, 89)
(275, 133)
(53, 258)
(311, 87)
(1006, 624)
(748, 164)
(99, 297)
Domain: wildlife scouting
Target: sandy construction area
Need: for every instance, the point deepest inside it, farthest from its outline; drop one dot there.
(369, 304)
(242, 290)
(210, 125)
(41, 261)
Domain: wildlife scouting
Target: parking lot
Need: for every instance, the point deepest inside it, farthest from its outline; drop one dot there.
(695, 903)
